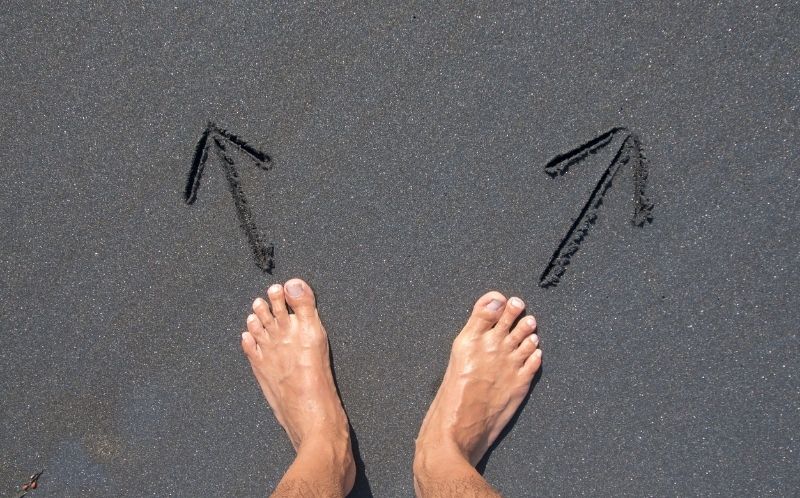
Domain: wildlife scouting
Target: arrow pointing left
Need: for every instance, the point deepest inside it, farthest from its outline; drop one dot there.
(220, 141)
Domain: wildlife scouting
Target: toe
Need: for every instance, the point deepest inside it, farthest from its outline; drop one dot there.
(249, 345)
(301, 298)
(278, 304)
(487, 311)
(261, 309)
(527, 347)
(510, 313)
(532, 364)
(256, 330)
(524, 328)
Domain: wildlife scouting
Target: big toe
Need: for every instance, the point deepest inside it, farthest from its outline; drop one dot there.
(301, 298)
(487, 311)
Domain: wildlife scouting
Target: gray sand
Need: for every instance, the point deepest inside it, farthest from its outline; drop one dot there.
(408, 149)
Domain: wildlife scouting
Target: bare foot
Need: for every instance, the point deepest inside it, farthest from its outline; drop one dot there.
(490, 371)
(288, 351)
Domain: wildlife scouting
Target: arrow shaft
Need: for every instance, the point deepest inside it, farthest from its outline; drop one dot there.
(262, 252)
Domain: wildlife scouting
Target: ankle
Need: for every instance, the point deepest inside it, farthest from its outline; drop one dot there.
(441, 469)
(436, 457)
(330, 445)
(322, 430)
(330, 455)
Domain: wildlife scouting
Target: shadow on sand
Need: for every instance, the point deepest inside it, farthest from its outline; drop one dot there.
(511, 423)
(361, 487)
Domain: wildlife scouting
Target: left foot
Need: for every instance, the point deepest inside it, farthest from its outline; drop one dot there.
(288, 351)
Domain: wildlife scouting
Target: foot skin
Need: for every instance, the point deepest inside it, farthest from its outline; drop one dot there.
(490, 372)
(287, 347)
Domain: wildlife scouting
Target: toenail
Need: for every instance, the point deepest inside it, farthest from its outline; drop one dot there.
(295, 289)
(517, 302)
(251, 318)
(494, 305)
(535, 339)
(531, 321)
(275, 289)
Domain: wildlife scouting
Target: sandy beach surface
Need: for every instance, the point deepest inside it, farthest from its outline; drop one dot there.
(407, 150)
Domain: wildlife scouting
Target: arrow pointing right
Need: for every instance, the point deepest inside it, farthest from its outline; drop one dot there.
(630, 152)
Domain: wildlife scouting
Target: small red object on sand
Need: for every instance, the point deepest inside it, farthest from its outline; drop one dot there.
(33, 485)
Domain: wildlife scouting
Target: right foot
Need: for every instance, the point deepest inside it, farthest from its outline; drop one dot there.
(490, 372)
(289, 354)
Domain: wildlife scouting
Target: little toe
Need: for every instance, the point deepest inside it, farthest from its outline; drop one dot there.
(261, 309)
(487, 311)
(256, 330)
(524, 328)
(532, 364)
(512, 310)
(249, 345)
(301, 298)
(277, 303)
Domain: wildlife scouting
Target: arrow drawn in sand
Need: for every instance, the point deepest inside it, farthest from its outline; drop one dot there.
(221, 142)
(629, 152)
